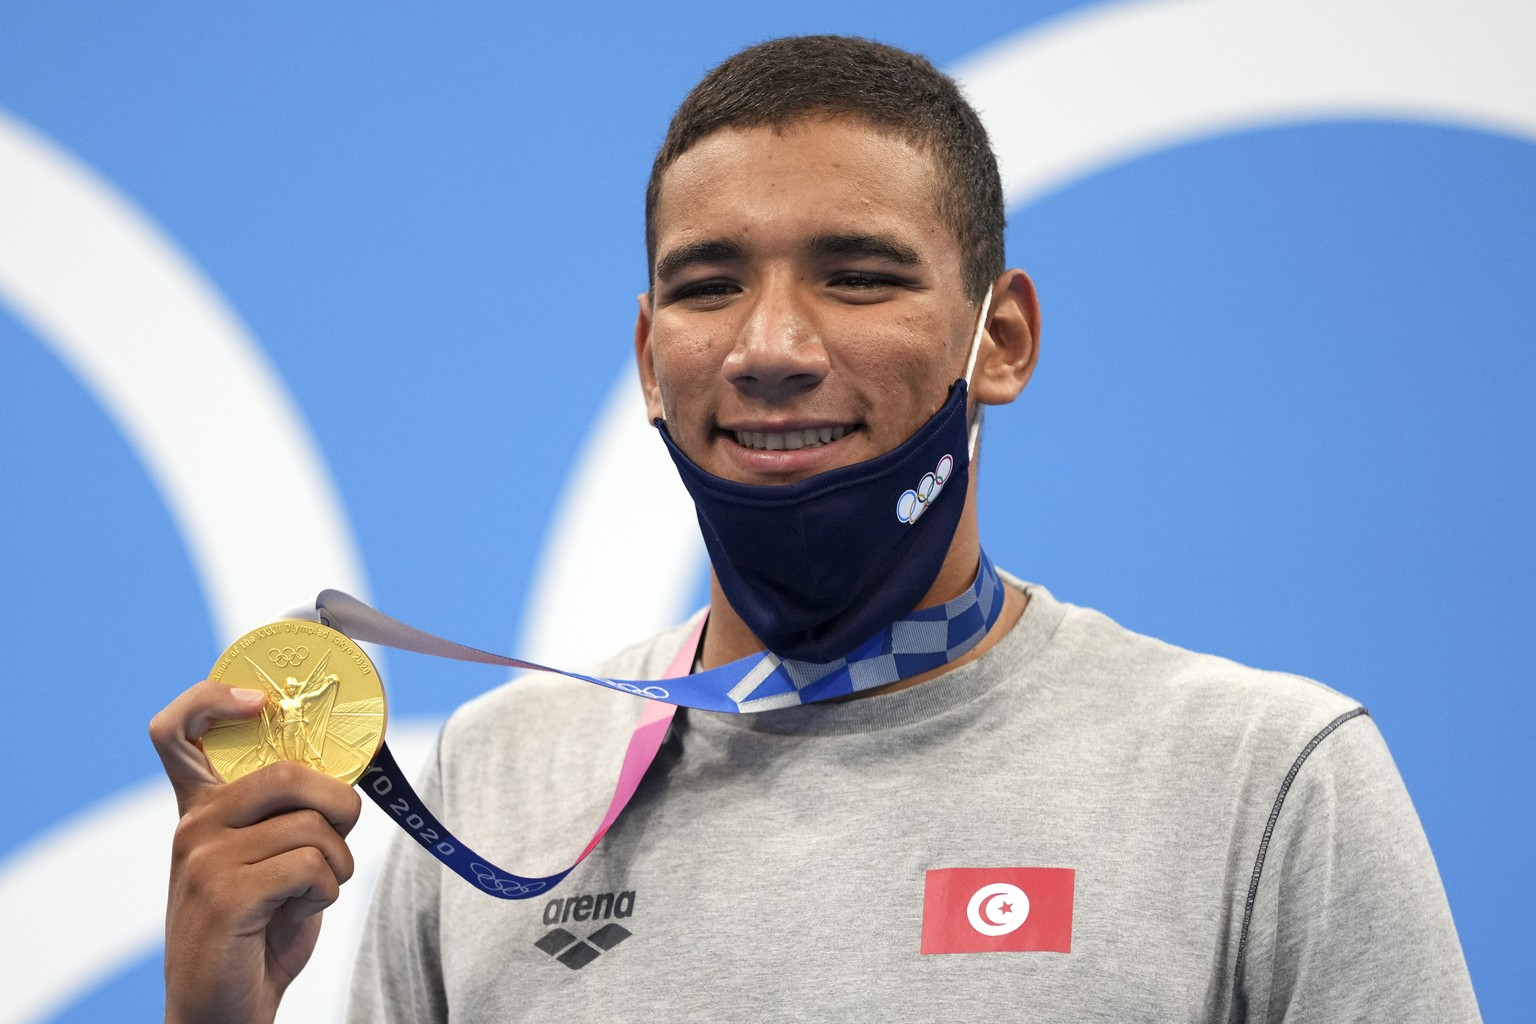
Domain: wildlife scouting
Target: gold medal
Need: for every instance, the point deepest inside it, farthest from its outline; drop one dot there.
(325, 702)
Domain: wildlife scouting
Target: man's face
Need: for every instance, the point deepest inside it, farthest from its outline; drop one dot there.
(807, 309)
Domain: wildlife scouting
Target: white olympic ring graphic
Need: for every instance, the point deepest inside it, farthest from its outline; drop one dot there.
(492, 881)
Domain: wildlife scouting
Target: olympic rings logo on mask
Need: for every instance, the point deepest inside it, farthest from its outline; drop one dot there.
(913, 503)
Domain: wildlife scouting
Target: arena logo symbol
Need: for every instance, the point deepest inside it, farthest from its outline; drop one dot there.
(1124, 80)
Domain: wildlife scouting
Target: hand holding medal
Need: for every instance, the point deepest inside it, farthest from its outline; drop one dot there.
(255, 859)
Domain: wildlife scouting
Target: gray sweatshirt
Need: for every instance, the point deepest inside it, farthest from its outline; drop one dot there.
(1241, 845)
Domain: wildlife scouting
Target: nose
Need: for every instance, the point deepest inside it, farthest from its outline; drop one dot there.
(779, 352)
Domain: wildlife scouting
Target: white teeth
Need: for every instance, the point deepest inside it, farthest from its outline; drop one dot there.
(793, 440)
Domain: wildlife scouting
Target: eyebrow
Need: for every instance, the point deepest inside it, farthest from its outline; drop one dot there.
(683, 257)
(872, 246)
(822, 246)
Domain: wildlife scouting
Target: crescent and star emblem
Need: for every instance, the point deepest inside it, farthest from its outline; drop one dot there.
(997, 909)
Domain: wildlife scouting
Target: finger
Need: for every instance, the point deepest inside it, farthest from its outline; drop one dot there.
(298, 884)
(175, 731)
(294, 831)
(288, 786)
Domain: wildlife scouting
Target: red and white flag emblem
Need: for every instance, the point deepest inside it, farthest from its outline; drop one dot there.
(997, 910)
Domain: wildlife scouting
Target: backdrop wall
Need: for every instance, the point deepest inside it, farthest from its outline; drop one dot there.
(345, 298)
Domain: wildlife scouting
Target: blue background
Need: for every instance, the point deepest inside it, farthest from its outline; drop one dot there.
(1282, 411)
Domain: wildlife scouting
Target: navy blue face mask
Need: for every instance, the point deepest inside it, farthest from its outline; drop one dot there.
(816, 567)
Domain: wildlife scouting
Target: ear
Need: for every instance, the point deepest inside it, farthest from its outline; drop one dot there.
(644, 361)
(1011, 344)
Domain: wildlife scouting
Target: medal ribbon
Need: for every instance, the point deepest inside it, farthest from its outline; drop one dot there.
(916, 643)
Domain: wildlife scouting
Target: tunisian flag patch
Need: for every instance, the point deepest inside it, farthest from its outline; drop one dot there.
(998, 910)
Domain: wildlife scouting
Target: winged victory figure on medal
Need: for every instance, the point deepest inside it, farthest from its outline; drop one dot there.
(303, 721)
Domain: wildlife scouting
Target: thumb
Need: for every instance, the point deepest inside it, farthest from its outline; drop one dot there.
(178, 729)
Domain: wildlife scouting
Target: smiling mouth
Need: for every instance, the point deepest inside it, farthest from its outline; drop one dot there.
(793, 440)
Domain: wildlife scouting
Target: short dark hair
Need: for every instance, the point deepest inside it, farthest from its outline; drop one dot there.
(785, 80)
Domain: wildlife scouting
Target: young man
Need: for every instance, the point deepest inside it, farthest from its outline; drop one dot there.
(1060, 821)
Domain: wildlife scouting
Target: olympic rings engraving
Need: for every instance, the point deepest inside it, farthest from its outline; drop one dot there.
(287, 656)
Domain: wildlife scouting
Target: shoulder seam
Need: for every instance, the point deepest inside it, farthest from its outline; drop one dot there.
(1269, 831)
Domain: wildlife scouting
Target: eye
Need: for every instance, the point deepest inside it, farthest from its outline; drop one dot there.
(704, 291)
(863, 287)
(860, 280)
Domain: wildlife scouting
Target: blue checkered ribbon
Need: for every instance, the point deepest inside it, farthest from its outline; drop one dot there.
(916, 643)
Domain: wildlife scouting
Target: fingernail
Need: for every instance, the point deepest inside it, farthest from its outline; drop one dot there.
(248, 696)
